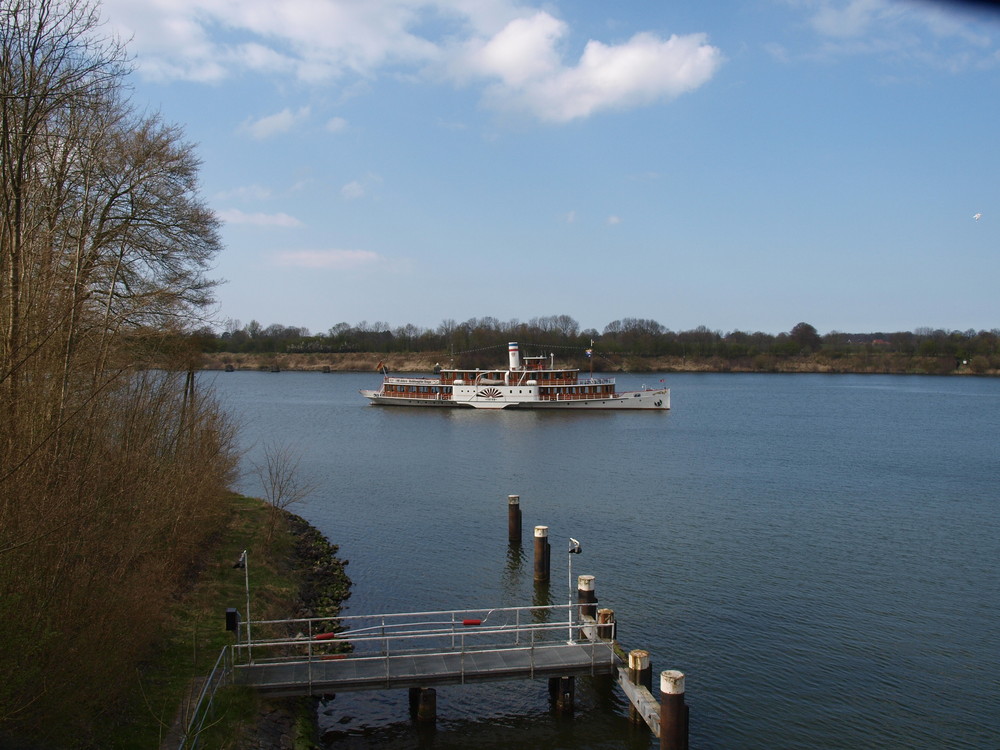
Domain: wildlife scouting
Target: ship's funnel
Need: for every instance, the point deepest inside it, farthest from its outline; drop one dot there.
(515, 355)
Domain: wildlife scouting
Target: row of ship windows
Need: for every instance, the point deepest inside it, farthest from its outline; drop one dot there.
(436, 389)
(580, 389)
(417, 389)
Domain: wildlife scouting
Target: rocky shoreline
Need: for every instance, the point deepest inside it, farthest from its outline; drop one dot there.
(290, 723)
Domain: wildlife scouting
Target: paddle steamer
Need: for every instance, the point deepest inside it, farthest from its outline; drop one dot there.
(534, 383)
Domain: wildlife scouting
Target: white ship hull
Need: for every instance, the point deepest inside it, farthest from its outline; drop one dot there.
(658, 399)
(533, 384)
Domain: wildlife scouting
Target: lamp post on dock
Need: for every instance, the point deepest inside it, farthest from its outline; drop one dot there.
(574, 549)
(244, 563)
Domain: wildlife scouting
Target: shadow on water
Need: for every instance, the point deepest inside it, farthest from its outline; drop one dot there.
(512, 583)
(598, 722)
(542, 597)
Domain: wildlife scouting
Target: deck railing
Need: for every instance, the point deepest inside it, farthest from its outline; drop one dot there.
(220, 675)
(385, 637)
(405, 634)
(417, 395)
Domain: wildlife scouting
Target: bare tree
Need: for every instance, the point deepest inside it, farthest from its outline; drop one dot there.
(51, 61)
(110, 476)
(281, 481)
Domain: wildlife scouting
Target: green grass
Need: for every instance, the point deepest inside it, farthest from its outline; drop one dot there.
(193, 636)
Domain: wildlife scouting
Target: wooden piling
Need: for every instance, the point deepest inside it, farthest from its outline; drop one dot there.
(562, 691)
(514, 519)
(542, 553)
(673, 711)
(586, 596)
(427, 706)
(607, 628)
(640, 673)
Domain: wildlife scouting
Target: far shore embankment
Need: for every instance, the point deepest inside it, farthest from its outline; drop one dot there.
(884, 363)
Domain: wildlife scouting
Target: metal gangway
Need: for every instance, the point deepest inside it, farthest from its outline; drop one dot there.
(316, 656)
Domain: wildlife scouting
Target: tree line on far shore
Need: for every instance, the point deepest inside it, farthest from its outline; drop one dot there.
(627, 337)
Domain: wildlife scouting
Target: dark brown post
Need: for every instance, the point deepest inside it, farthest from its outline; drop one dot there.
(542, 555)
(562, 691)
(607, 628)
(427, 706)
(586, 596)
(673, 711)
(514, 519)
(640, 672)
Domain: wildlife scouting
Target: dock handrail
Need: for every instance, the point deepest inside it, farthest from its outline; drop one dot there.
(220, 675)
(382, 638)
(304, 644)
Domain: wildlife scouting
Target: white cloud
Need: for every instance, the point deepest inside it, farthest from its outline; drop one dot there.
(314, 40)
(353, 190)
(281, 122)
(336, 124)
(451, 125)
(523, 50)
(852, 19)
(360, 188)
(259, 58)
(235, 216)
(945, 36)
(511, 49)
(246, 193)
(614, 220)
(533, 79)
(331, 259)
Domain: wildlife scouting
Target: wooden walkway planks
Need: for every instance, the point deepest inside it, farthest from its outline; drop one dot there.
(360, 672)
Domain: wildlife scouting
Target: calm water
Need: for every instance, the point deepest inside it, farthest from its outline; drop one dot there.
(818, 554)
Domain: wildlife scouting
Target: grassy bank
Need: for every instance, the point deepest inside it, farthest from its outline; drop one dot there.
(294, 573)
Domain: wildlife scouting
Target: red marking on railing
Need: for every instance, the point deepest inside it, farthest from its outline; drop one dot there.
(467, 623)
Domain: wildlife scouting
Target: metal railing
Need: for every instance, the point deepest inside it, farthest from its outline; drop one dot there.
(219, 675)
(388, 636)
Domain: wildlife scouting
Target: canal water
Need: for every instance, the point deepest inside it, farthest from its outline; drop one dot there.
(817, 553)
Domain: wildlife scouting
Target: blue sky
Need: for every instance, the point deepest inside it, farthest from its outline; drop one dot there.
(737, 165)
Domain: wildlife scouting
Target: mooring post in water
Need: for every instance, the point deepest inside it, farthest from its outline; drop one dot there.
(562, 691)
(426, 700)
(542, 554)
(640, 672)
(673, 711)
(586, 596)
(607, 628)
(514, 519)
